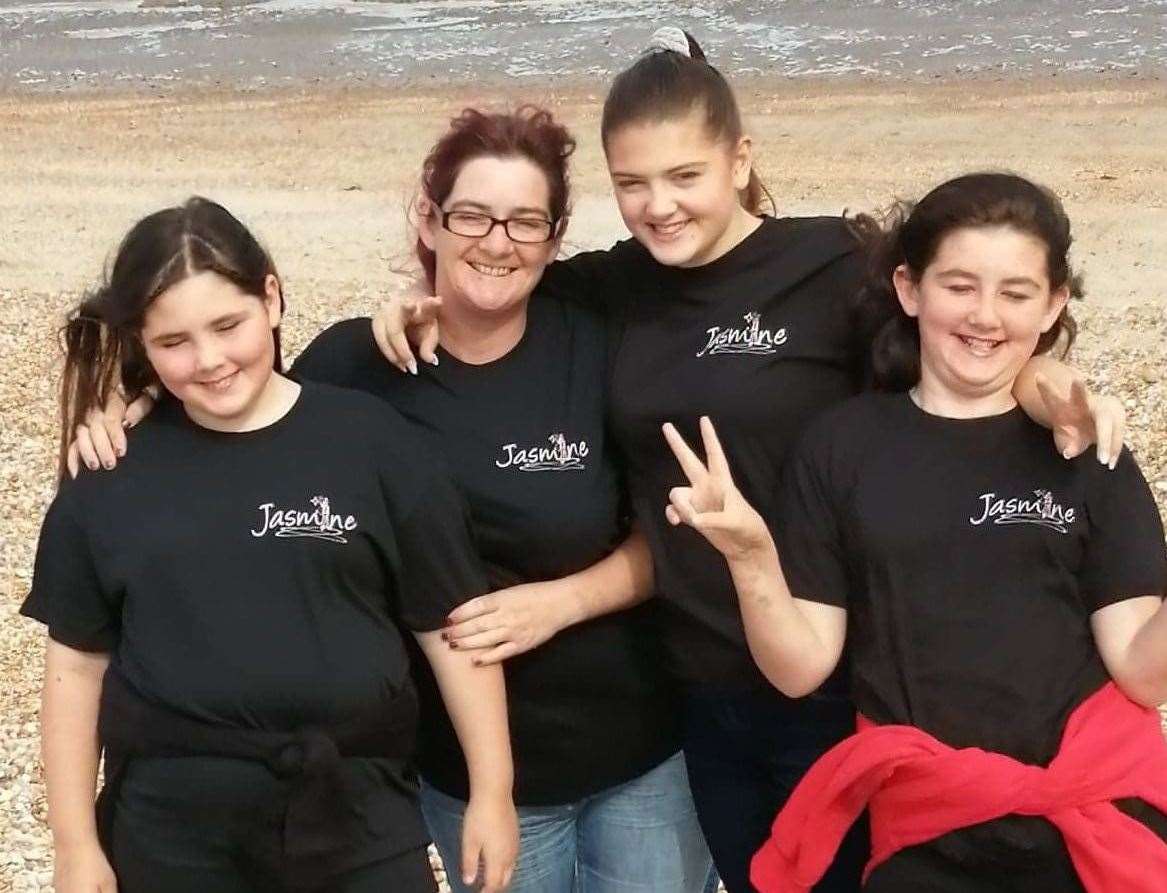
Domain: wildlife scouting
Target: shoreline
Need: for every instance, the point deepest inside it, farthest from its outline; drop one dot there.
(582, 85)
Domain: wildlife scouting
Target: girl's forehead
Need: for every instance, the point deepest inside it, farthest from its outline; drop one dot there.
(687, 136)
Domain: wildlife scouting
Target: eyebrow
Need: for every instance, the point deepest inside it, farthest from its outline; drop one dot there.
(672, 170)
(1012, 280)
(485, 209)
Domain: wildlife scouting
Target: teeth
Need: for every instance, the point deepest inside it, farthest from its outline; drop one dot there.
(670, 229)
(491, 271)
(980, 346)
(221, 384)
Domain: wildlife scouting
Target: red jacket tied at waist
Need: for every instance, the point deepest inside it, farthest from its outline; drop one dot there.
(919, 789)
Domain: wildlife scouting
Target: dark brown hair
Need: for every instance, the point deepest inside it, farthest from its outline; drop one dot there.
(910, 235)
(528, 132)
(664, 85)
(101, 337)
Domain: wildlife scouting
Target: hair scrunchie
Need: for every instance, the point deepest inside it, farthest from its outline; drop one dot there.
(669, 38)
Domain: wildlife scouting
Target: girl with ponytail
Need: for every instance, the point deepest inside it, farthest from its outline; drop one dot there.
(223, 607)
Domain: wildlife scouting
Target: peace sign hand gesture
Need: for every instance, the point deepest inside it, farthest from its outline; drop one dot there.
(711, 504)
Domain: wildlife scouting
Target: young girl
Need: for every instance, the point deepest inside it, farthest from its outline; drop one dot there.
(715, 309)
(223, 608)
(1002, 607)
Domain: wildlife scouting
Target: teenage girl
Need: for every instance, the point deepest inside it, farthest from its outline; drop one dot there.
(223, 609)
(1002, 607)
(715, 309)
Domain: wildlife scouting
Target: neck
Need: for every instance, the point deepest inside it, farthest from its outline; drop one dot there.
(740, 227)
(270, 405)
(937, 398)
(478, 338)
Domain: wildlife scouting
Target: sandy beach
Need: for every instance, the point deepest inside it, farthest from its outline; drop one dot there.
(324, 175)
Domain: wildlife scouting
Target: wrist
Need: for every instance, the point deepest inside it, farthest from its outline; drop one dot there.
(757, 556)
(495, 792)
(571, 603)
(75, 841)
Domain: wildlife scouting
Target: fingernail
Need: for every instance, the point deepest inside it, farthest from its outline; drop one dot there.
(1113, 463)
(1067, 455)
(434, 361)
(92, 466)
(121, 451)
(125, 423)
(412, 366)
(108, 466)
(1103, 459)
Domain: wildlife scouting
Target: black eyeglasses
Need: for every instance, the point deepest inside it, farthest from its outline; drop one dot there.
(524, 230)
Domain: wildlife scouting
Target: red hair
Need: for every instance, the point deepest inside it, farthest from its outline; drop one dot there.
(528, 132)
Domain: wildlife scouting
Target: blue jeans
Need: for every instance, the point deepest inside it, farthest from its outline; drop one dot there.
(638, 836)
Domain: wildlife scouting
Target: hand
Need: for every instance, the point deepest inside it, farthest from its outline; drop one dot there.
(1080, 420)
(490, 842)
(403, 320)
(83, 869)
(101, 439)
(509, 621)
(712, 504)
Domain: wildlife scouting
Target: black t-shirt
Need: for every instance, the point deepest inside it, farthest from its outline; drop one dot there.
(526, 440)
(969, 557)
(256, 580)
(760, 340)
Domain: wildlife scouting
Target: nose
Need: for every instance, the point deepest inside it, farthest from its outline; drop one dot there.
(208, 355)
(983, 313)
(496, 242)
(661, 203)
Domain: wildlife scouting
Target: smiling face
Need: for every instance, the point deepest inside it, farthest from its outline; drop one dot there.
(490, 274)
(211, 345)
(677, 188)
(981, 304)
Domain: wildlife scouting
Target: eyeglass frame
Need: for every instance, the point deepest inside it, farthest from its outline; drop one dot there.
(504, 222)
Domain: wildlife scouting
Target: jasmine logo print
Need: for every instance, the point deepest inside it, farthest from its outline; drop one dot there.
(318, 522)
(1040, 509)
(561, 455)
(750, 338)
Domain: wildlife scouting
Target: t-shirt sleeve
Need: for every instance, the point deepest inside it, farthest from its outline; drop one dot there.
(337, 355)
(67, 594)
(806, 526)
(602, 281)
(440, 568)
(1125, 554)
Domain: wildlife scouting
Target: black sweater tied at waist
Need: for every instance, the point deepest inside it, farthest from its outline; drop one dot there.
(323, 825)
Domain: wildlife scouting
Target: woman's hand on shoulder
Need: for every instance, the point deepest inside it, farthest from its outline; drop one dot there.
(83, 868)
(490, 842)
(1080, 419)
(100, 440)
(712, 504)
(406, 321)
